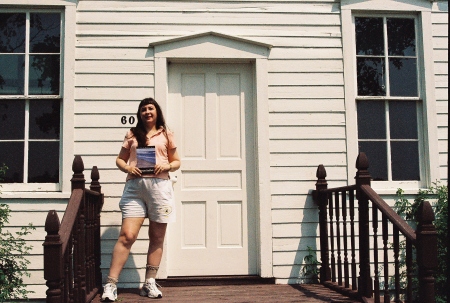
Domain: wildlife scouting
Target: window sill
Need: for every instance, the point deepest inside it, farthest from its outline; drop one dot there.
(390, 188)
(34, 195)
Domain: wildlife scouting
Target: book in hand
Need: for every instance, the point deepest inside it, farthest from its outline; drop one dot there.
(146, 159)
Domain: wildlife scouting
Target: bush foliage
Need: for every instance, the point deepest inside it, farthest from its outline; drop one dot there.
(13, 264)
(437, 195)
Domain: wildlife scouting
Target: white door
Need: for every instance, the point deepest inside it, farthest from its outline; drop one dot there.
(210, 111)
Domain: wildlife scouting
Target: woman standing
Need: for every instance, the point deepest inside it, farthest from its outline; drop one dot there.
(148, 193)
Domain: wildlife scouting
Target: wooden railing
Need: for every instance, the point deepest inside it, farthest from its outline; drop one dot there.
(72, 248)
(351, 239)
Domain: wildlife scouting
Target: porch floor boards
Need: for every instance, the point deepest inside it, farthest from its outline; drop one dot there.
(304, 293)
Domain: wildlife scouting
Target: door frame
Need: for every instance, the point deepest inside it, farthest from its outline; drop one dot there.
(212, 47)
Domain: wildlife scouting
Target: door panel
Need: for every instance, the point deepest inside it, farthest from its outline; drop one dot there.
(210, 112)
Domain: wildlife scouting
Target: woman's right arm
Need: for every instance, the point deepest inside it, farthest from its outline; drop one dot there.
(122, 160)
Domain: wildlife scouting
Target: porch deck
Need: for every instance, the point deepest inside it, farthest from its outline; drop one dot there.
(305, 293)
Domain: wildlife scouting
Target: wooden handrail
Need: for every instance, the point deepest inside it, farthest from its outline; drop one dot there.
(72, 248)
(337, 209)
(398, 221)
(70, 215)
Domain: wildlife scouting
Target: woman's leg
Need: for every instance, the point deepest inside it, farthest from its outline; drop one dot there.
(128, 235)
(157, 233)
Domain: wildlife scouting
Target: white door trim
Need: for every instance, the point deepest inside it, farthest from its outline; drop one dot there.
(222, 48)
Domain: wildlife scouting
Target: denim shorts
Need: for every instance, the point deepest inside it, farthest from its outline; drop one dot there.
(148, 197)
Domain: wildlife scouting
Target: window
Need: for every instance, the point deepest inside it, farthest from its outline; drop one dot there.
(30, 96)
(388, 100)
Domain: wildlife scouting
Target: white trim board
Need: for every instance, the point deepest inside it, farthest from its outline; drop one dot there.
(216, 47)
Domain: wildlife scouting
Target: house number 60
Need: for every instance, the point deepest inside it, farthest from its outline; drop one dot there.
(130, 120)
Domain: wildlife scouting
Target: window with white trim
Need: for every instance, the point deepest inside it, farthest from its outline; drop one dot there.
(30, 96)
(388, 96)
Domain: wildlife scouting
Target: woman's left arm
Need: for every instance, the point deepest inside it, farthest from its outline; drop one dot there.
(174, 160)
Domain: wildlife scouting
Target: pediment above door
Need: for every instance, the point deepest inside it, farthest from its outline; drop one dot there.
(211, 45)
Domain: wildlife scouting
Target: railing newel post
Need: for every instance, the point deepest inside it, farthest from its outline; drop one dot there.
(426, 252)
(322, 201)
(95, 186)
(95, 176)
(363, 178)
(53, 259)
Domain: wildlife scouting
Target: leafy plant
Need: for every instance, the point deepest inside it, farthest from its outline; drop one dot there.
(408, 210)
(13, 249)
(310, 268)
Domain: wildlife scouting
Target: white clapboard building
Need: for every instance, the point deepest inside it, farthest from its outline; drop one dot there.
(258, 94)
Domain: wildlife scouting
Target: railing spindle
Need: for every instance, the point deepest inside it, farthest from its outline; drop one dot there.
(387, 298)
(353, 236)
(338, 237)
(344, 221)
(333, 259)
(409, 273)
(396, 263)
(375, 254)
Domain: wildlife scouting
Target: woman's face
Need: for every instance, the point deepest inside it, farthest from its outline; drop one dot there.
(148, 114)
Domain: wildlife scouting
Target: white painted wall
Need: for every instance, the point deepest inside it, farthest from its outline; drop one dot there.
(440, 57)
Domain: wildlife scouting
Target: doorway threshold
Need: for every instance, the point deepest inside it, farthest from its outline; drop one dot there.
(214, 281)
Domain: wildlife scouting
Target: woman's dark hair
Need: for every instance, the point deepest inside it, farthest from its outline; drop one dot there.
(139, 130)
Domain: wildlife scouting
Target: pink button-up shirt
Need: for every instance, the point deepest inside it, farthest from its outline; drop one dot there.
(162, 146)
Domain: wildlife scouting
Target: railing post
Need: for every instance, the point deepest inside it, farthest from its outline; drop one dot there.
(53, 259)
(426, 252)
(95, 176)
(363, 178)
(95, 186)
(321, 200)
(78, 181)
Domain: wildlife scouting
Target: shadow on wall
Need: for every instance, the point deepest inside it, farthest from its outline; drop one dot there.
(309, 237)
(129, 277)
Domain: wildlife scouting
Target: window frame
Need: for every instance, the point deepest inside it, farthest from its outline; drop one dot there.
(427, 127)
(67, 9)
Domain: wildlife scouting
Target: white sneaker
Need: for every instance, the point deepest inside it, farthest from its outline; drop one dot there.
(109, 293)
(150, 289)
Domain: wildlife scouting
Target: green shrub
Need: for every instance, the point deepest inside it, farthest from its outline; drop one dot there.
(437, 195)
(310, 268)
(13, 264)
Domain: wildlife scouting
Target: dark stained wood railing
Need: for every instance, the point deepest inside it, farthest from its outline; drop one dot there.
(72, 248)
(348, 243)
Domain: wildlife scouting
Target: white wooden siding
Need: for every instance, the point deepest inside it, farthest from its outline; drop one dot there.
(440, 46)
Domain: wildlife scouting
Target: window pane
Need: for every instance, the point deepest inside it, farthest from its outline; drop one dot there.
(403, 119)
(12, 33)
(405, 161)
(44, 75)
(376, 152)
(369, 36)
(12, 119)
(43, 162)
(11, 154)
(401, 37)
(12, 74)
(44, 119)
(371, 77)
(371, 120)
(403, 77)
(45, 33)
